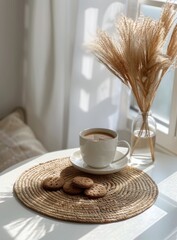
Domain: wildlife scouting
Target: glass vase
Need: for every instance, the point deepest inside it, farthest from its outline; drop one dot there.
(143, 138)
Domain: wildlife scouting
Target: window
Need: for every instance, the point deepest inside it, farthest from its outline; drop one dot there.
(164, 107)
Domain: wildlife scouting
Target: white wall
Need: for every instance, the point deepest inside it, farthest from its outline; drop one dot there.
(11, 54)
(96, 94)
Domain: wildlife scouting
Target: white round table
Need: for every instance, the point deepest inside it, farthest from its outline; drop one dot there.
(158, 222)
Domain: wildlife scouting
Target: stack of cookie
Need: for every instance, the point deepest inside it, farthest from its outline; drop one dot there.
(77, 185)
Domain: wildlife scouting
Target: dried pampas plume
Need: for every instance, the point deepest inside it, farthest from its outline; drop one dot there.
(136, 53)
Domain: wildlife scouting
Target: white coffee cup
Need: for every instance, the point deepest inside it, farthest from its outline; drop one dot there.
(98, 147)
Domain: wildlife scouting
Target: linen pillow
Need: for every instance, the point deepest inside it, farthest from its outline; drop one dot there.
(17, 140)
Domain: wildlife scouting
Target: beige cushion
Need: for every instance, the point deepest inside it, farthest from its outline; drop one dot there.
(17, 140)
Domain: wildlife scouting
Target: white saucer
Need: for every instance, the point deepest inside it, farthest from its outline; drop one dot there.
(77, 162)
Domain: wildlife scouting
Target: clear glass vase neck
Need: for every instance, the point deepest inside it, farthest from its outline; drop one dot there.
(148, 113)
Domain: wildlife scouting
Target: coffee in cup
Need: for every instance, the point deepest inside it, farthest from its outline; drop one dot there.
(98, 136)
(98, 147)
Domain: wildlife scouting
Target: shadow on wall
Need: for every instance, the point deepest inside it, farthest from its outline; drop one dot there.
(95, 93)
(11, 48)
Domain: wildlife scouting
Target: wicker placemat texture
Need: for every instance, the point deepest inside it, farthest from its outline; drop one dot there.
(130, 192)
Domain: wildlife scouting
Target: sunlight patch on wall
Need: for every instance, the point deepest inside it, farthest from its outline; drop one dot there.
(168, 187)
(111, 14)
(103, 91)
(84, 100)
(90, 24)
(87, 67)
(112, 122)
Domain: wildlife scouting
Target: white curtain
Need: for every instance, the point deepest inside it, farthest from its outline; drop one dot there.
(65, 88)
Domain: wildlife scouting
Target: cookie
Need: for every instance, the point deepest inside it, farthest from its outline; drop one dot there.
(96, 191)
(53, 183)
(82, 182)
(69, 188)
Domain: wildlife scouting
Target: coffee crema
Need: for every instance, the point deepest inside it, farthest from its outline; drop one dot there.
(99, 136)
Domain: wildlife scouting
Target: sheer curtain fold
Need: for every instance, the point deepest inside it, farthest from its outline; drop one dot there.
(50, 31)
(65, 88)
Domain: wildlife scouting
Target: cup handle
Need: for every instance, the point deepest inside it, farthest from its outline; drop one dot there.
(128, 150)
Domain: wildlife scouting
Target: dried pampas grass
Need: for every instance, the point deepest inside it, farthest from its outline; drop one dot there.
(136, 54)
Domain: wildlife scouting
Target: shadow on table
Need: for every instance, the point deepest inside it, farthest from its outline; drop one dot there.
(25, 224)
(166, 227)
(22, 223)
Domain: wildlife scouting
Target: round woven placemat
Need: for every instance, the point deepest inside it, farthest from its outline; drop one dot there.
(130, 192)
